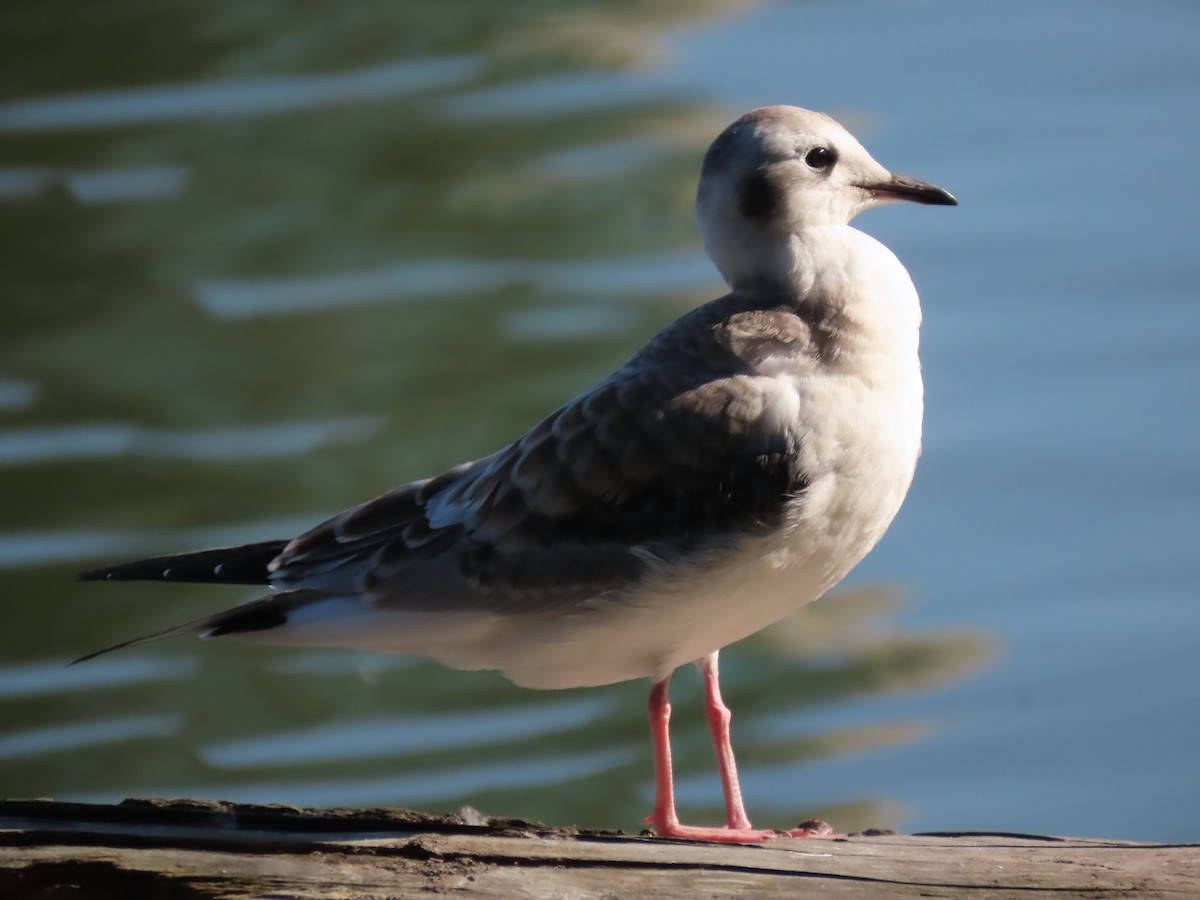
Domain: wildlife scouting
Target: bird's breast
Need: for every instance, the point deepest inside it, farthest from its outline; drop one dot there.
(858, 458)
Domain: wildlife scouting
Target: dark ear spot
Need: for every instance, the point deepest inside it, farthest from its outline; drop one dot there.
(757, 197)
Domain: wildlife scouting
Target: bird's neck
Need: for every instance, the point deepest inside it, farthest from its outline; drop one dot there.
(793, 263)
(834, 271)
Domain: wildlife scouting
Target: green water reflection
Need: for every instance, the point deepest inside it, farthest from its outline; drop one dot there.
(263, 261)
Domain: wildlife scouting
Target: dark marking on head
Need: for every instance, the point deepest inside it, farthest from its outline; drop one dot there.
(758, 198)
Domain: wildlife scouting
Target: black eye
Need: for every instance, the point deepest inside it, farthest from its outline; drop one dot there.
(820, 158)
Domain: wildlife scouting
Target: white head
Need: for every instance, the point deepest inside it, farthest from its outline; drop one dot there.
(780, 170)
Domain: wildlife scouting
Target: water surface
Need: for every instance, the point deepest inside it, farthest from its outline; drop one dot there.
(262, 263)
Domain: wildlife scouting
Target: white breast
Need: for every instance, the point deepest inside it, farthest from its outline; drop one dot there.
(859, 423)
(858, 420)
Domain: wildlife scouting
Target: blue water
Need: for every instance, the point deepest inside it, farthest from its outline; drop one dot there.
(259, 269)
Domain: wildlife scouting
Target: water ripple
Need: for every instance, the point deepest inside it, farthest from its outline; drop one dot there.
(99, 185)
(603, 159)
(545, 95)
(87, 734)
(241, 97)
(244, 298)
(326, 661)
(17, 393)
(48, 678)
(241, 442)
(411, 790)
(32, 548)
(345, 741)
(553, 323)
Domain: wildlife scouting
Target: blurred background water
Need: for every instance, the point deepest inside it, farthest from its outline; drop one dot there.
(263, 260)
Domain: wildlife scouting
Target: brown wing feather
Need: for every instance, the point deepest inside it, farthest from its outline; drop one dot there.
(661, 461)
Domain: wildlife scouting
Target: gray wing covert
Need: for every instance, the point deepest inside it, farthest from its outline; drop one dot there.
(648, 467)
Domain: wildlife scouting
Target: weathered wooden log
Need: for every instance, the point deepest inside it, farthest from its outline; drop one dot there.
(178, 849)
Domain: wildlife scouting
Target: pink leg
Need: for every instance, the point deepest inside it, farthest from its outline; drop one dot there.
(718, 725)
(664, 818)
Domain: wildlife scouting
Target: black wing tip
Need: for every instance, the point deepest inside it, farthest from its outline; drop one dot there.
(249, 618)
(107, 574)
(135, 572)
(104, 650)
(247, 564)
(264, 614)
(153, 569)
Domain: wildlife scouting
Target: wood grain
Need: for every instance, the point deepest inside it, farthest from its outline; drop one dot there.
(186, 849)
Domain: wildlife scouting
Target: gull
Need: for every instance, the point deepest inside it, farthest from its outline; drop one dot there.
(734, 469)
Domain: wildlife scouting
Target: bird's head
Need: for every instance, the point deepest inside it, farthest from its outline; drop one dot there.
(780, 170)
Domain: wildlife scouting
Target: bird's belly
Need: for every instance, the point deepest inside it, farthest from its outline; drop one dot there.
(860, 457)
(693, 610)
